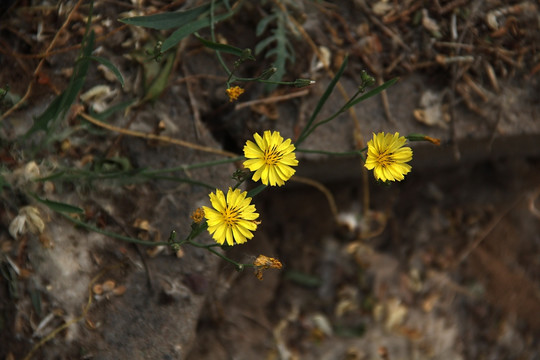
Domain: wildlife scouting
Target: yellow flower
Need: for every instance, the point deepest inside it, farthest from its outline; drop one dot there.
(232, 219)
(264, 262)
(234, 92)
(271, 158)
(387, 157)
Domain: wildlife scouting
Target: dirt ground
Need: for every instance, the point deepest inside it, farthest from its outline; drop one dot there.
(443, 265)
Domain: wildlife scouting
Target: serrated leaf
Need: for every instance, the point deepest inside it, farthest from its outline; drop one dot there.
(169, 20)
(263, 24)
(263, 44)
(59, 207)
(109, 66)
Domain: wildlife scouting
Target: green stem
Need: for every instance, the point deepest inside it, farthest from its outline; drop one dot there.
(258, 79)
(213, 35)
(195, 166)
(111, 234)
(332, 153)
(344, 108)
(187, 181)
(238, 265)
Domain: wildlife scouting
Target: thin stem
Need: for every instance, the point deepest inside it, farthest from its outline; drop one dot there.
(210, 248)
(331, 153)
(344, 108)
(213, 35)
(111, 234)
(128, 176)
(258, 79)
(195, 166)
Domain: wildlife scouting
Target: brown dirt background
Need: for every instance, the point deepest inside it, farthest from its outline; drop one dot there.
(451, 269)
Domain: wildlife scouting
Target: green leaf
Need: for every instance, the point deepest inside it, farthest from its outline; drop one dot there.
(59, 207)
(303, 279)
(371, 93)
(223, 48)
(190, 28)
(160, 82)
(329, 89)
(263, 24)
(62, 103)
(3, 183)
(263, 44)
(322, 101)
(167, 20)
(256, 191)
(282, 50)
(51, 113)
(110, 66)
(51, 177)
(111, 110)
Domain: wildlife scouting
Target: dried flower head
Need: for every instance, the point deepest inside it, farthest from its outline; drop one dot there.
(232, 218)
(28, 219)
(198, 215)
(234, 92)
(264, 262)
(271, 158)
(387, 157)
(433, 140)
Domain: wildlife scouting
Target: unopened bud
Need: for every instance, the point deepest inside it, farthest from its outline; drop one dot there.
(303, 82)
(267, 74)
(367, 80)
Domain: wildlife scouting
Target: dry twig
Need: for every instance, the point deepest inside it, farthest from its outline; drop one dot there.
(166, 139)
(271, 99)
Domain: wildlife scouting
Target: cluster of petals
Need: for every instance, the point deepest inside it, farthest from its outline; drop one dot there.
(234, 92)
(271, 158)
(387, 157)
(265, 262)
(232, 218)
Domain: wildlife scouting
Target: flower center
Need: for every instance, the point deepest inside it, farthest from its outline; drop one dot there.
(230, 216)
(271, 156)
(385, 159)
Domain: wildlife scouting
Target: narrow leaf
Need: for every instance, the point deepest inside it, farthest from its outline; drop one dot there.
(256, 191)
(190, 28)
(59, 207)
(52, 112)
(62, 103)
(160, 82)
(223, 47)
(167, 20)
(111, 110)
(373, 92)
(109, 66)
(322, 101)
